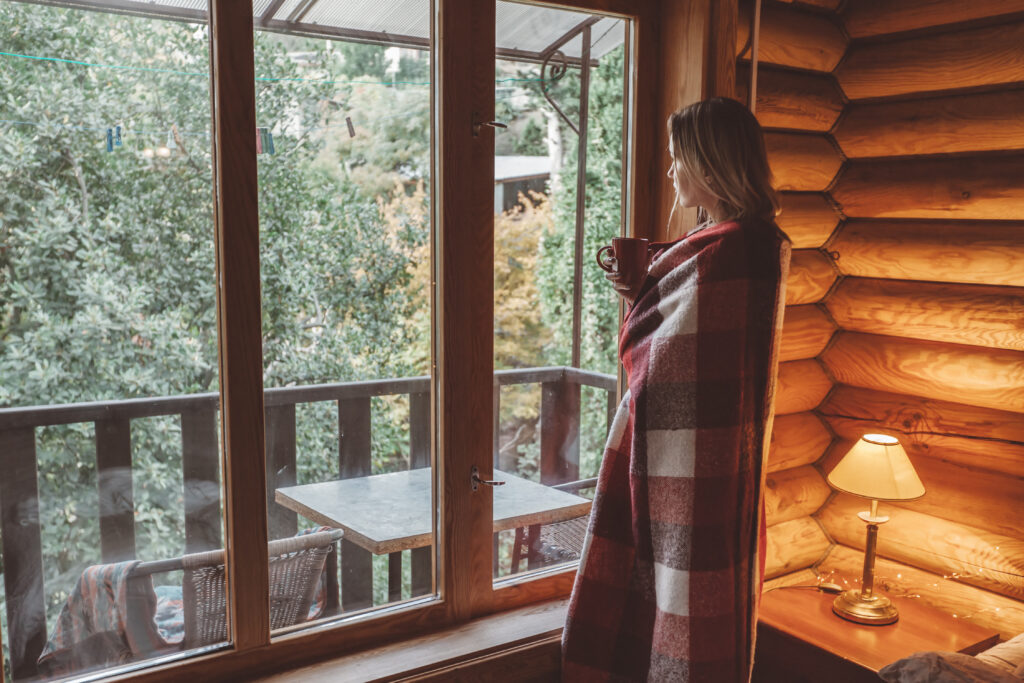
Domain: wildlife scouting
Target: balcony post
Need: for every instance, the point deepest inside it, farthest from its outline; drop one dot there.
(280, 419)
(116, 496)
(419, 456)
(559, 431)
(200, 463)
(354, 461)
(23, 551)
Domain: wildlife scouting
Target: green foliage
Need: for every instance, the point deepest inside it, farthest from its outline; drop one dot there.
(603, 216)
(107, 264)
(531, 142)
(107, 287)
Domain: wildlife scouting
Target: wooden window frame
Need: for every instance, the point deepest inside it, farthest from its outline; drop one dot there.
(663, 36)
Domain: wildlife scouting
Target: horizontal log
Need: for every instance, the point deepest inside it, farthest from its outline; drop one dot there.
(794, 545)
(984, 608)
(802, 161)
(990, 378)
(977, 315)
(987, 500)
(963, 59)
(797, 439)
(807, 217)
(791, 37)
(805, 332)
(960, 188)
(811, 275)
(978, 557)
(918, 414)
(866, 18)
(939, 125)
(977, 453)
(802, 385)
(794, 493)
(799, 100)
(978, 252)
(801, 577)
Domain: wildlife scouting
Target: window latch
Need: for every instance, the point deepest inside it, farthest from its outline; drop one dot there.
(477, 124)
(475, 480)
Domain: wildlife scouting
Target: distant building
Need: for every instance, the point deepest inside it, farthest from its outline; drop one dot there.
(515, 174)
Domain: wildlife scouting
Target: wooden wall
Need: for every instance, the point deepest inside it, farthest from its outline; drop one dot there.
(894, 129)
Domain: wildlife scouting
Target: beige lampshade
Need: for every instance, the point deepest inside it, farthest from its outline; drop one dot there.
(877, 467)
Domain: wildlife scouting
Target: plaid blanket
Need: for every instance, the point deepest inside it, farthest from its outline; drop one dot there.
(668, 582)
(107, 620)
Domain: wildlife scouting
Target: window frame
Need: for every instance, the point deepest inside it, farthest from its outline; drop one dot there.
(462, 299)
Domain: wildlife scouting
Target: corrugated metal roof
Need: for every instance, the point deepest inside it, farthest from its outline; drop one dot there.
(529, 29)
(533, 29)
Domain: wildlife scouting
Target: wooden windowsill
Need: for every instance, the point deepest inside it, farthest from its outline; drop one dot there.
(474, 639)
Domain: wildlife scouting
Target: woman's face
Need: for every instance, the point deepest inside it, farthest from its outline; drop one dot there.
(688, 193)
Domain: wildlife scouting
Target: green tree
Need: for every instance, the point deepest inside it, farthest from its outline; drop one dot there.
(600, 310)
(106, 265)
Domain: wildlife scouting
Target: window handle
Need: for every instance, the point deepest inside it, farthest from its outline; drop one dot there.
(475, 480)
(477, 124)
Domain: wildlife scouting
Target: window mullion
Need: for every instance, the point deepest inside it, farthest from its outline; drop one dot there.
(464, 350)
(239, 326)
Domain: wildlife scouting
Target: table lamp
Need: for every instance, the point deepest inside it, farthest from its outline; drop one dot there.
(878, 468)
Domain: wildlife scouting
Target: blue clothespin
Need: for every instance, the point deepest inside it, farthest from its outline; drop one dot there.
(110, 139)
(117, 136)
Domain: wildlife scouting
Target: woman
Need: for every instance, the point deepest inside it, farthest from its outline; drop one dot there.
(673, 562)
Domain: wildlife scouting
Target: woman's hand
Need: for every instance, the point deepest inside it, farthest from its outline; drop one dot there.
(627, 289)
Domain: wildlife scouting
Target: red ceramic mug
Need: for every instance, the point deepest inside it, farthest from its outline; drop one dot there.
(627, 256)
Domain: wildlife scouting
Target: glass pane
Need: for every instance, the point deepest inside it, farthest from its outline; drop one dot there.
(109, 442)
(343, 150)
(556, 377)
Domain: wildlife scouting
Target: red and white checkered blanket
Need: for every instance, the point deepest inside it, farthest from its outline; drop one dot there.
(669, 578)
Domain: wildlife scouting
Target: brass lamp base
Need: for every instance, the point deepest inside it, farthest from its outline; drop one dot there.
(876, 610)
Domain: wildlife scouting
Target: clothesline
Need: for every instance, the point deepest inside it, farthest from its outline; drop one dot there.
(103, 129)
(203, 74)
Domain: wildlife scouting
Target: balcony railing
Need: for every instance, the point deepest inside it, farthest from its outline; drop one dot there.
(200, 463)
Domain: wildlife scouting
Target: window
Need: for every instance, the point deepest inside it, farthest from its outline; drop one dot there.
(345, 186)
(142, 358)
(109, 431)
(558, 198)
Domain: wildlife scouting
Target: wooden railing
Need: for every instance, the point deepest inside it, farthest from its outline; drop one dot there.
(200, 462)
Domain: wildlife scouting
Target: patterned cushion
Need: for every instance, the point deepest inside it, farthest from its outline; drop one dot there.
(1008, 656)
(944, 667)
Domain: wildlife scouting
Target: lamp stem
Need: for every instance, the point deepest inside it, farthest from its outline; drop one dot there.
(868, 582)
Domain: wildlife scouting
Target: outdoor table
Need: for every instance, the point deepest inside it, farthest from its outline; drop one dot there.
(387, 513)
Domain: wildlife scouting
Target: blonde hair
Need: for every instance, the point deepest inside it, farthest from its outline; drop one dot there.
(718, 144)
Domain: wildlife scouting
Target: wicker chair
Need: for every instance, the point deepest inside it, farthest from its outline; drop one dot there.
(296, 564)
(549, 544)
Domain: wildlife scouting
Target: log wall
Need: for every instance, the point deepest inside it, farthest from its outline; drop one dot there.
(893, 129)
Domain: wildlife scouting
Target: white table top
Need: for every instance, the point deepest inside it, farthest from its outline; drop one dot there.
(386, 513)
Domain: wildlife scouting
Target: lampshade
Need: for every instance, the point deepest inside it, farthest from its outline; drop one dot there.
(877, 467)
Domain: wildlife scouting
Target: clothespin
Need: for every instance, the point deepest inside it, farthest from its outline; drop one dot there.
(171, 142)
(264, 141)
(110, 139)
(117, 136)
(351, 128)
